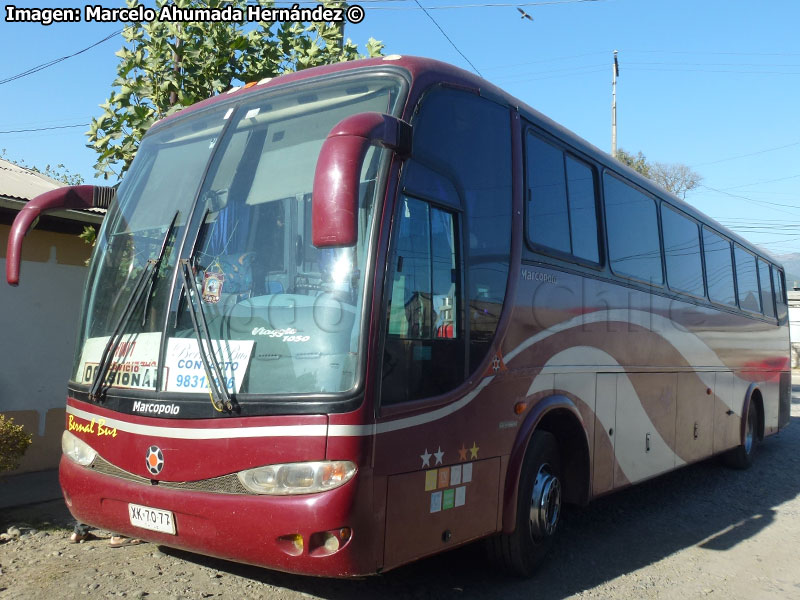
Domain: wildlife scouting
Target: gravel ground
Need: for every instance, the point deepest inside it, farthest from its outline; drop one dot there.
(703, 531)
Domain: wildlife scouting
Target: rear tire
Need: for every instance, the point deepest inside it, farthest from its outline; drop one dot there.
(538, 509)
(741, 457)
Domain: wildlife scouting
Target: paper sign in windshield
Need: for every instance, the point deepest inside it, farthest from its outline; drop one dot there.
(134, 365)
(184, 370)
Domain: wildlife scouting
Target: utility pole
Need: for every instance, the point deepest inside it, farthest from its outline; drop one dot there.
(614, 75)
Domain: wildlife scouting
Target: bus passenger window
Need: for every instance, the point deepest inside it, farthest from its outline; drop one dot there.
(767, 297)
(633, 242)
(582, 210)
(719, 268)
(780, 293)
(561, 201)
(747, 280)
(682, 252)
(548, 215)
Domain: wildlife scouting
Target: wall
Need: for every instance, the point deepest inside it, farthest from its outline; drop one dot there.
(794, 325)
(39, 321)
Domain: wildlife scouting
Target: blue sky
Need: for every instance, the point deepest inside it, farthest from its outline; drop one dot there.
(710, 83)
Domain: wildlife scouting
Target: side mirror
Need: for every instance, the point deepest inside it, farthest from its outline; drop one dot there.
(77, 196)
(334, 204)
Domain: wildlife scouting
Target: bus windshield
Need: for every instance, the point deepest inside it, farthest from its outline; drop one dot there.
(284, 317)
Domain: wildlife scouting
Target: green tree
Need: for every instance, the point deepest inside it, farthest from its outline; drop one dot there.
(676, 178)
(166, 66)
(638, 162)
(13, 443)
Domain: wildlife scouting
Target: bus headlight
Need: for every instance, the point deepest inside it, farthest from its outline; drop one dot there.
(76, 449)
(297, 478)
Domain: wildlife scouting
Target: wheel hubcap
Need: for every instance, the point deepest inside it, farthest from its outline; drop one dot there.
(545, 503)
(750, 434)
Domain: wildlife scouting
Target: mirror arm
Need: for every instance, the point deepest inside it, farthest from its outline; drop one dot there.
(73, 197)
(338, 173)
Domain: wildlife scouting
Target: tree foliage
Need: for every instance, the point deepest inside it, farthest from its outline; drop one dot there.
(166, 66)
(638, 162)
(13, 443)
(676, 178)
(58, 172)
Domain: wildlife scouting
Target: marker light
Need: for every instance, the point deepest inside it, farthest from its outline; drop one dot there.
(76, 449)
(297, 478)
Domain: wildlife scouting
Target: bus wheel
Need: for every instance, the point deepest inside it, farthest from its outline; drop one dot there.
(741, 457)
(538, 509)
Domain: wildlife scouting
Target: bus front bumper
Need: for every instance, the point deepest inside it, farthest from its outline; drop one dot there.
(258, 530)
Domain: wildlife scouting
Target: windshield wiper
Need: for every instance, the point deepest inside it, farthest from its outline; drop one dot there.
(147, 276)
(217, 384)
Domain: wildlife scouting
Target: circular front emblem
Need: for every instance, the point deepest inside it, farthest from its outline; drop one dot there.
(155, 460)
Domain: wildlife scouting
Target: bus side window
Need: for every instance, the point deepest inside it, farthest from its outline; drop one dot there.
(747, 280)
(634, 247)
(780, 293)
(561, 213)
(719, 268)
(682, 252)
(767, 297)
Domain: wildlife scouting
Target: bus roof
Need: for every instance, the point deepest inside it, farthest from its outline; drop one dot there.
(426, 71)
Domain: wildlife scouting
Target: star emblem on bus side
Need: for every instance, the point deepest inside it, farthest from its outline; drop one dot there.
(473, 452)
(462, 452)
(426, 458)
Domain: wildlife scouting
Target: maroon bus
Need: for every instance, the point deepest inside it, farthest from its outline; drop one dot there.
(357, 315)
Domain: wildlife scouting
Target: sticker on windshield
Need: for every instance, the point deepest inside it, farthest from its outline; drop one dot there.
(134, 365)
(212, 287)
(184, 370)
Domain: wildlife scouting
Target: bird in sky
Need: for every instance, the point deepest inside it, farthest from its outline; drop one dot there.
(524, 14)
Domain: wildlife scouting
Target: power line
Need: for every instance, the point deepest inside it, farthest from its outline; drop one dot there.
(55, 61)
(448, 38)
(482, 5)
(543, 61)
(45, 128)
(696, 52)
(714, 162)
(762, 202)
(683, 70)
(707, 64)
(736, 187)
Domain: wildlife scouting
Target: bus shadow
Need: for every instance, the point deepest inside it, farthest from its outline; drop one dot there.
(705, 505)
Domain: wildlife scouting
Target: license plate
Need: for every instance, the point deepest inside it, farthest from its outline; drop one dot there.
(153, 519)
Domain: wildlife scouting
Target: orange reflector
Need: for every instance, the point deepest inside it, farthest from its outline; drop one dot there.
(250, 84)
(520, 407)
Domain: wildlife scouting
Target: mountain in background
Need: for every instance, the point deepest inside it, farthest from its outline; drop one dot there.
(791, 263)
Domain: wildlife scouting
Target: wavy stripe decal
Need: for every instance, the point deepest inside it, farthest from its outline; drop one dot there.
(694, 350)
(634, 470)
(405, 423)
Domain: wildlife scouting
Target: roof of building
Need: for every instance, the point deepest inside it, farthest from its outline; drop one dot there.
(20, 184)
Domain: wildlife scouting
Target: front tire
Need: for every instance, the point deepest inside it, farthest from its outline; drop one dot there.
(538, 509)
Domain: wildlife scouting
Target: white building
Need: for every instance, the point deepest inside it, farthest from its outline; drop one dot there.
(39, 318)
